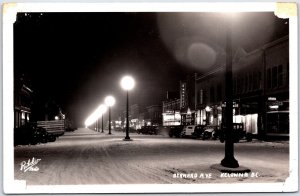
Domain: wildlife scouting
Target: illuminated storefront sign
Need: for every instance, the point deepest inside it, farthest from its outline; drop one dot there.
(171, 119)
(182, 94)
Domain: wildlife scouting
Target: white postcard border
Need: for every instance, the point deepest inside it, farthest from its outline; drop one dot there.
(14, 186)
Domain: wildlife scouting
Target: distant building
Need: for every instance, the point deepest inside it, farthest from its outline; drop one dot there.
(134, 111)
(141, 121)
(171, 111)
(138, 116)
(52, 111)
(153, 115)
(187, 100)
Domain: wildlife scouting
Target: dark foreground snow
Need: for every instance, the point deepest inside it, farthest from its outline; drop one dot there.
(87, 157)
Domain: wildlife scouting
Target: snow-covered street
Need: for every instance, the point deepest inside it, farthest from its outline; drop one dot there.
(88, 157)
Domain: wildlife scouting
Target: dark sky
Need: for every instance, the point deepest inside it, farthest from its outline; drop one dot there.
(79, 58)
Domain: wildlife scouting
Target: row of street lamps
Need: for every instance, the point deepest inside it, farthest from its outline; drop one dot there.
(127, 83)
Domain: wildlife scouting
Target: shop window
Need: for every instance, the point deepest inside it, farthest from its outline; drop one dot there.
(280, 75)
(274, 77)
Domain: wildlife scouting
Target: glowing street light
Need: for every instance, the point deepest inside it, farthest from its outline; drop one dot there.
(95, 115)
(109, 101)
(127, 84)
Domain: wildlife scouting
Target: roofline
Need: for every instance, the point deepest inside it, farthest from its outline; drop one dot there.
(264, 47)
(156, 105)
(27, 88)
(268, 45)
(220, 68)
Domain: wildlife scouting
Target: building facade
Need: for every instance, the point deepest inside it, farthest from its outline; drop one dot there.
(260, 91)
(22, 101)
(188, 100)
(153, 115)
(171, 110)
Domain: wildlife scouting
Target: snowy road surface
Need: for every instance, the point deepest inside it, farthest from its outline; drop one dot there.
(87, 157)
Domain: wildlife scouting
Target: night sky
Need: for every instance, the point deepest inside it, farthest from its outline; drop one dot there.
(77, 59)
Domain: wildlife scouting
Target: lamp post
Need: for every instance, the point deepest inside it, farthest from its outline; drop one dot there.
(97, 125)
(207, 110)
(229, 160)
(93, 119)
(103, 109)
(127, 84)
(109, 101)
(102, 125)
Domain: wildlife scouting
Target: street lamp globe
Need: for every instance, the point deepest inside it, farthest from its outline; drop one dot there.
(109, 101)
(127, 83)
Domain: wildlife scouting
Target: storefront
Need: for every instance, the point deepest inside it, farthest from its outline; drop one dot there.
(210, 115)
(188, 117)
(171, 118)
(277, 117)
(246, 111)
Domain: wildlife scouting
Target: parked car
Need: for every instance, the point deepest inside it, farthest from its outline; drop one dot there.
(164, 130)
(176, 130)
(210, 132)
(238, 133)
(30, 134)
(70, 129)
(51, 138)
(198, 132)
(193, 131)
(188, 130)
(131, 130)
(118, 129)
(151, 130)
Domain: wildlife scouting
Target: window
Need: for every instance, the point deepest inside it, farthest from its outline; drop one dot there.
(234, 86)
(204, 99)
(259, 80)
(219, 92)
(246, 82)
(269, 78)
(212, 94)
(238, 87)
(250, 81)
(280, 75)
(274, 77)
(198, 96)
(242, 85)
(255, 80)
